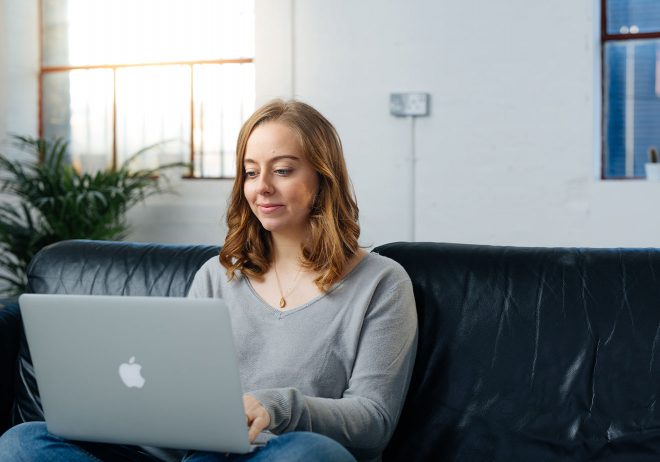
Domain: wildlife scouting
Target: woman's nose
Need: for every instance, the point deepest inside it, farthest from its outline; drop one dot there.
(264, 185)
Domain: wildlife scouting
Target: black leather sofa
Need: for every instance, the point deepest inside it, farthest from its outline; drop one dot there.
(525, 354)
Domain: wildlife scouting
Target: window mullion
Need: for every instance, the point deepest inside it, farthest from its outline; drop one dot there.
(638, 36)
(192, 119)
(114, 119)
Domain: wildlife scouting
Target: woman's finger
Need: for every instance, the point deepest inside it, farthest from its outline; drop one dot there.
(258, 425)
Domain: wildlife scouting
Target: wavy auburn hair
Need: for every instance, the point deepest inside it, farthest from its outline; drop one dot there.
(333, 220)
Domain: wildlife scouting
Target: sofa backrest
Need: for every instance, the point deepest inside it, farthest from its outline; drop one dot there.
(103, 268)
(532, 354)
(116, 268)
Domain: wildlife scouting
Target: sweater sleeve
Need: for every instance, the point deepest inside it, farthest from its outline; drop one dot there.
(364, 418)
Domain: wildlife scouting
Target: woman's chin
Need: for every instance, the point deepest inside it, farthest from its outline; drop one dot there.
(268, 225)
(282, 228)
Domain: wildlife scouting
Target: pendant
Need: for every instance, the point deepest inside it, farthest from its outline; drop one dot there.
(282, 302)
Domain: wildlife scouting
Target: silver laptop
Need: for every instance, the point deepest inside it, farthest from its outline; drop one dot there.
(156, 371)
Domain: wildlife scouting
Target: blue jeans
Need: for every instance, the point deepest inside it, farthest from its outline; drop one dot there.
(31, 442)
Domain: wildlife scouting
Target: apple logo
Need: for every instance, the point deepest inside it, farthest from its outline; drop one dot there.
(130, 374)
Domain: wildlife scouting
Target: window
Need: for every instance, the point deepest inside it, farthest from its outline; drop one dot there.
(120, 75)
(630, 37)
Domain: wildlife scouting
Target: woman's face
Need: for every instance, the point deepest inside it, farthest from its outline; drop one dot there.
(280, 183)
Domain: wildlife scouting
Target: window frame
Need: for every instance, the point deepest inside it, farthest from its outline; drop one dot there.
(45, 70)
(605, 38)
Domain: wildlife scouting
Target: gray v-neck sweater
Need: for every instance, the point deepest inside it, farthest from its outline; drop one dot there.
(338, 365)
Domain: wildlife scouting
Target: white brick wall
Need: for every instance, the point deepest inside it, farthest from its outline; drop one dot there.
(508, 155)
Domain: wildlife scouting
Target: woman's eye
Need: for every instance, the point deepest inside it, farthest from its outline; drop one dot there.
(250, 173)
(283, 171)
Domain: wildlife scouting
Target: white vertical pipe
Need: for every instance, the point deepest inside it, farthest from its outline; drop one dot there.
(412, 214)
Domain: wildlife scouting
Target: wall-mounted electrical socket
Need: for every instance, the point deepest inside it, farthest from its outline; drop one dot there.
(409, 104)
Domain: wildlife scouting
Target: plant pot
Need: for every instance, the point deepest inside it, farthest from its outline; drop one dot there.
(652, 171)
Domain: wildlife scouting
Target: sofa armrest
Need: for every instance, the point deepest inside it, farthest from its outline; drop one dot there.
(10, 329)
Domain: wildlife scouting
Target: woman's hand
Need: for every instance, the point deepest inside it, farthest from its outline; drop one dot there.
(257, 416)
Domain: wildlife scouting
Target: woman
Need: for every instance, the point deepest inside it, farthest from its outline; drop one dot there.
(325, 332)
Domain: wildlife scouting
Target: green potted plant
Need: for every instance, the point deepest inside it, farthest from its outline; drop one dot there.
(652, 167)
(48, 200)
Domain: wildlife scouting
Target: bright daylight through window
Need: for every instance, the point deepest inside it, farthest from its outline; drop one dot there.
(630, 37)
(121, 75)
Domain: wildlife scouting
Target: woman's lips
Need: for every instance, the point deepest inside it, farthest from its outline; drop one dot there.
(269, 208)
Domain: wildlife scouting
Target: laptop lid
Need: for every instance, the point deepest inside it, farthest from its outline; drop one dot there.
(157, 371)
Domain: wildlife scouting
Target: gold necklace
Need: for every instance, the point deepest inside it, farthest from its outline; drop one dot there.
(279, 286)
